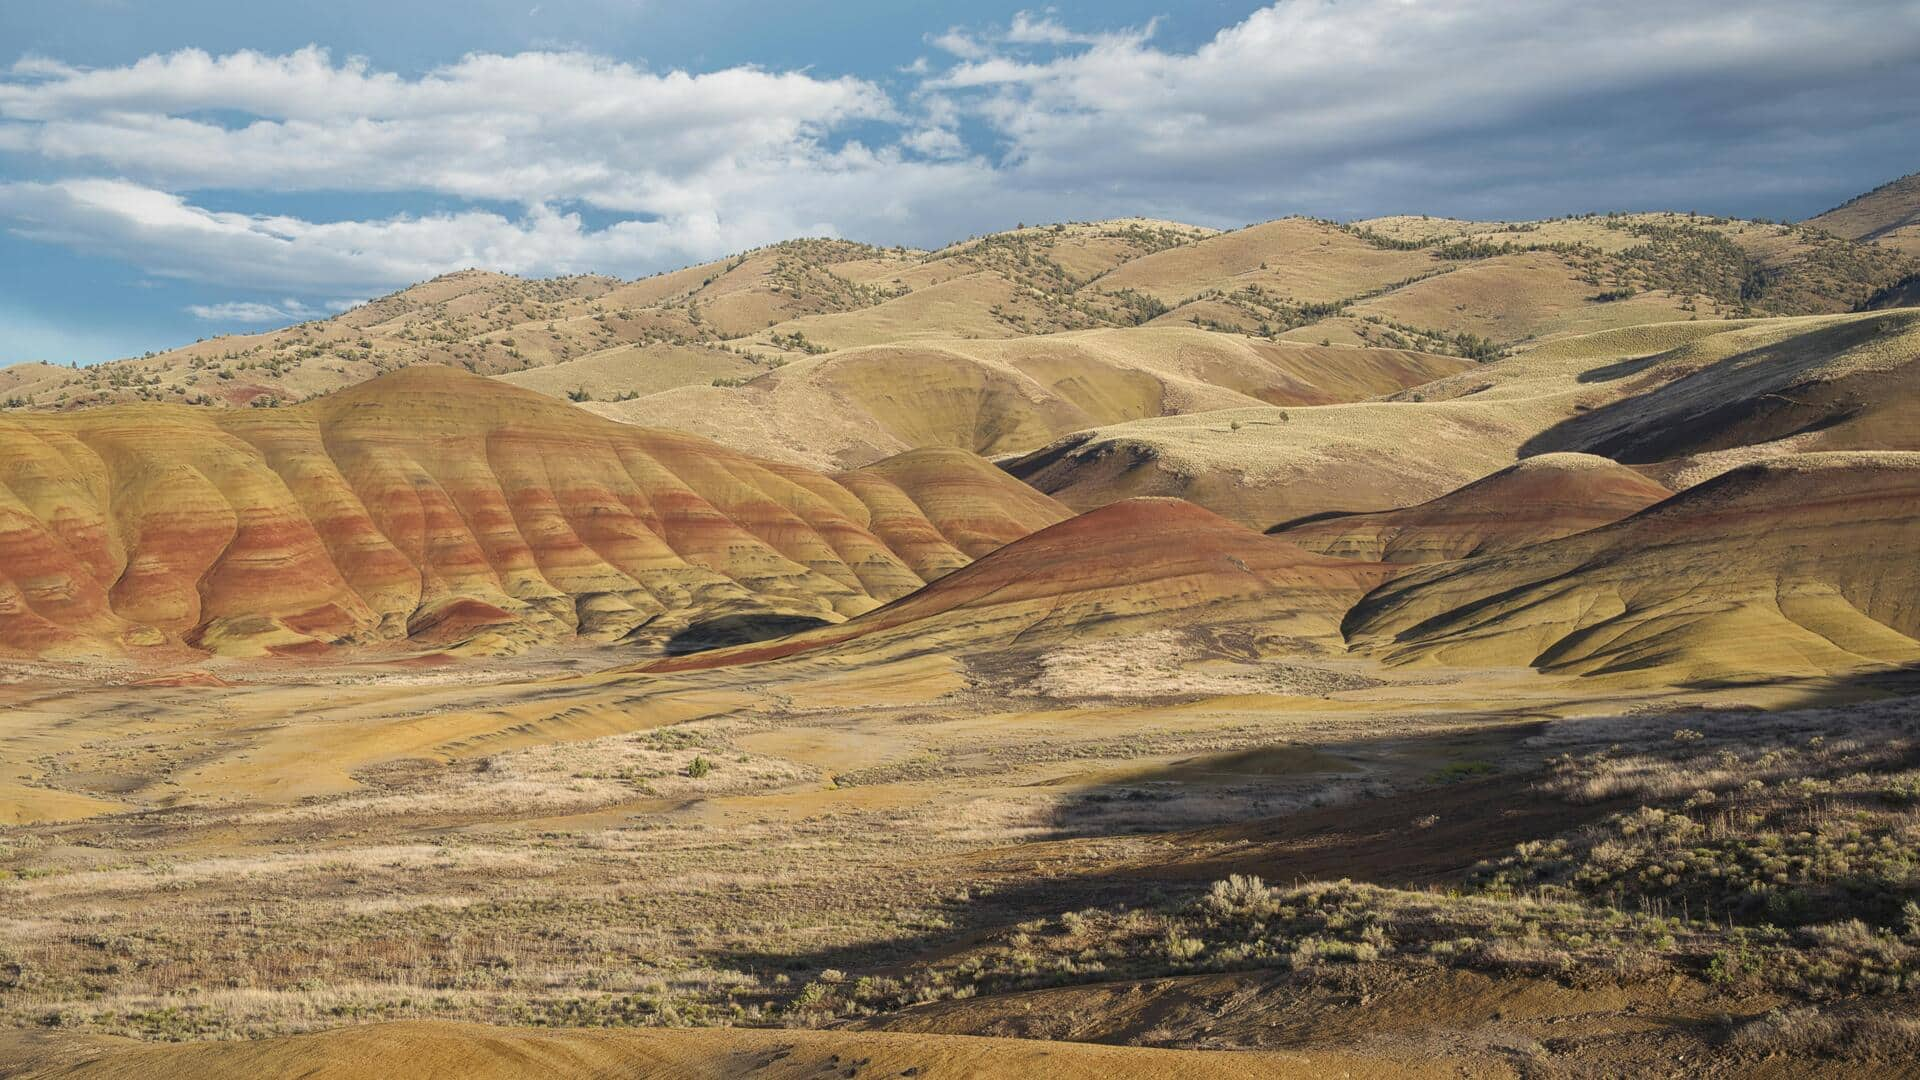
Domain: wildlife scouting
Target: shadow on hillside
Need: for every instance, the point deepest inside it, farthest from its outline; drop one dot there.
(1308, 519)
(1619, 370)
(1734, 401)
(737, 630)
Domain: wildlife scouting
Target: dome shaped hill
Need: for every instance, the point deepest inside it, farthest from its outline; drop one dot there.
(1142, 564)
(972, 507)
(1798, 566)
(1541, 498)
(443, 508)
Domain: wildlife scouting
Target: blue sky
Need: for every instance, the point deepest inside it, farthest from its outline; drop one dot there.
(171, 170)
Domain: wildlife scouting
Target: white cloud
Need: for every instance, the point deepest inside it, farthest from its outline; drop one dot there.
(290, 310)
(1043, 29)
(241, 311)
(190, 242)
(534, 127)
(694, 166)
(958, 42)
(1029, 29)
(564, 161)
(171, 237)
(1311, 102)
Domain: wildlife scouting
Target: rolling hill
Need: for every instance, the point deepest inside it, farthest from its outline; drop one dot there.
(1422, 284)
(1010, 396)
(1889, 216)
(1139, 565)
(1799, 566)
(1682, 400)
(1541, 498)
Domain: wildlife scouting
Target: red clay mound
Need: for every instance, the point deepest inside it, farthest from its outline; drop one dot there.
(1138, 564)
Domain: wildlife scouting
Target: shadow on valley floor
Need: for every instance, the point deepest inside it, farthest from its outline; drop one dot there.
(1898, 680)
(1430, 835)
(737, 630)
(1459, 799)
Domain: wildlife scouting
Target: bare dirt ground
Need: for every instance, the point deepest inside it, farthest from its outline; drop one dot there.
(231, 852)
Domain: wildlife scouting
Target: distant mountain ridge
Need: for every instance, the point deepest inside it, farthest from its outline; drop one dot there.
(1422, 284)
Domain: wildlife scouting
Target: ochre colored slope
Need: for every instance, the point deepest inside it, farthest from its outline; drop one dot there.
(1541, 498)
(939, 508)
(1140, 564)
(1803, 565)
(435, 505)
(1514, 298)
(450, 1051)
(1000, 397)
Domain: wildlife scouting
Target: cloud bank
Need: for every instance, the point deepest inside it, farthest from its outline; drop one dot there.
(564, 162)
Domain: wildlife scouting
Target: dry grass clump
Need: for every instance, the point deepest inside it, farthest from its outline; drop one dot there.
(1804, 1034)
(396, 861)
(1797, 832)
(685, 761)
(1243, 924)
(1659, 757)
(1175, 663)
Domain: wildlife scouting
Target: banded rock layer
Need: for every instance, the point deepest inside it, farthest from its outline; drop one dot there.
(450, 509)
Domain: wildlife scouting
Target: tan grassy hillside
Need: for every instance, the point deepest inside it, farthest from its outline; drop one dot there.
(1293, 259)
(635, 371)
(1713, 265)
(1851, 384)
(1011, 396)
(1889, 215)
(1706, 395)
(1434, 285)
